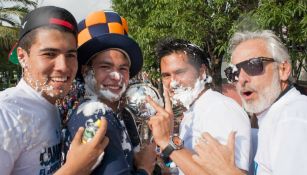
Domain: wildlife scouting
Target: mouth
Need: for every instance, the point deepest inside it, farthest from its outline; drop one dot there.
(247, 95)
(113, 87)
(59, 79)
(59, 82)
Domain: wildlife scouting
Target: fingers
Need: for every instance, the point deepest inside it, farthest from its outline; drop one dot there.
(197, 159)
(168, 103)
(78, 137)
(100, 135)
(209, 139)
(105, 142)
(231, 141)
(200, 148)
(156, 106)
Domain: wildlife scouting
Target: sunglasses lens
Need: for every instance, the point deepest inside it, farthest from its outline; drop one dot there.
(252, 67)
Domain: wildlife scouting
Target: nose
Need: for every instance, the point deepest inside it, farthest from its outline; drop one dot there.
(61, 63)
(115, 75)
(243, 77)
(174, 77)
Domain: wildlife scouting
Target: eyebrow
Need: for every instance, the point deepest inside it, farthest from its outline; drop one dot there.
(56, 50)
(110, 63)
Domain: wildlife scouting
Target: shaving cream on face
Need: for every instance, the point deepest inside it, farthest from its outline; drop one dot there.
(103, 92)
(187, 95)
(107, 94)
(115, 75)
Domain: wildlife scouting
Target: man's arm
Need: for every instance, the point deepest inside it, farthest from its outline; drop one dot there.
(161, 126)
(82, 157)
(146, 158)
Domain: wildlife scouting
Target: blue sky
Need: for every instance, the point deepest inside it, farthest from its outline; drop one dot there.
(79, 8)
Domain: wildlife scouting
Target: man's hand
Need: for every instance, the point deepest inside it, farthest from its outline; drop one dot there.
(215, 158)
(146, 158)
(161, 124)
(82, 157)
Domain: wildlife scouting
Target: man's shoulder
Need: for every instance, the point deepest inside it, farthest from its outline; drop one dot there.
(217, 99)
(90, 107)
(9, 94)
(292, 106)
(9, 99)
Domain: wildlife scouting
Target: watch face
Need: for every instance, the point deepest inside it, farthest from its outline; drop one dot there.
(177, 141)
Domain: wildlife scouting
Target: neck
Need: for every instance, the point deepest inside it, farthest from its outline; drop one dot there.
(285, 87)
(112, 105)
(50, 99)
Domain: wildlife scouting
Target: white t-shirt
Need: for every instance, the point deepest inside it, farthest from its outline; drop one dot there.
(29, 132)
(282, 137)
(218, 115)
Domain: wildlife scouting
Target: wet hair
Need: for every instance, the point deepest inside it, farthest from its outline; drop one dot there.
(274, 45)
(28, 39)
(195, 54)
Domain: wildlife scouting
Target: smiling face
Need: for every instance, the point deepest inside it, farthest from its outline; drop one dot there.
(51, 64)
(109, 75)
(257, 92)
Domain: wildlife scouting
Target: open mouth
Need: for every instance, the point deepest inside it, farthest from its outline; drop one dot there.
(247, 94)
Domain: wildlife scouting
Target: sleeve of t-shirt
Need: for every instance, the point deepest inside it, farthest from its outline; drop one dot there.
(290, 152)
(9, 149)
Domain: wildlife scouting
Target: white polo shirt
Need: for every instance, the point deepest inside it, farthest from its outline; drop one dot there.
(218, 115)
(282, 137)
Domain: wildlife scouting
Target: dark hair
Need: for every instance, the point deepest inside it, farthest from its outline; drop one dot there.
(28, 39)
(196, 55)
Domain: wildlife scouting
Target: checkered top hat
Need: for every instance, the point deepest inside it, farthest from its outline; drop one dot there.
(48, 16)
(103, 30)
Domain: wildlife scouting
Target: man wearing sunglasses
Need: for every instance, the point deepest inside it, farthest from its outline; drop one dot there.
(261, 69)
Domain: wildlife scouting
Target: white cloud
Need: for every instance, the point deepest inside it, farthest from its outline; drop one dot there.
(79, 8)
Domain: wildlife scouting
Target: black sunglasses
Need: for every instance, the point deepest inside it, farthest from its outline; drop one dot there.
(253, 66)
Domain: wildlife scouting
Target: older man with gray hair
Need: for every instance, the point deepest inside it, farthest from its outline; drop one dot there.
(261, 69)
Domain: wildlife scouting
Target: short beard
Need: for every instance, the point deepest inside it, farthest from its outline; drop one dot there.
(267, 96)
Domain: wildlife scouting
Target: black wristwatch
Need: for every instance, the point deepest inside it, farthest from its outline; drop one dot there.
(175, 143)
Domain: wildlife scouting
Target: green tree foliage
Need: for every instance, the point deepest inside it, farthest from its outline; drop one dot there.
(210, 23)
(205, 23)
(11, 12)
(288, 18)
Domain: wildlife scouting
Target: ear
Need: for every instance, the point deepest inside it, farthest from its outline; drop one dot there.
(22, 56)
(202, 71)
(284, 70)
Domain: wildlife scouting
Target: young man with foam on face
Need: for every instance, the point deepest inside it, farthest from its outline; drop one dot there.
(30, 124)
(184, 71)
(261, 69)
(109, 58)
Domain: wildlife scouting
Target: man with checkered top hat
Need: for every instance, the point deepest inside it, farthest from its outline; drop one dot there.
(108, 59)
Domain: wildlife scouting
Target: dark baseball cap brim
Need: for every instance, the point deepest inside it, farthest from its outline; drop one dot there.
(107, 41)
